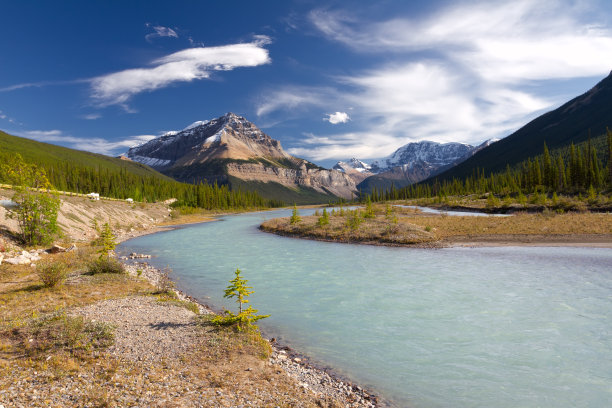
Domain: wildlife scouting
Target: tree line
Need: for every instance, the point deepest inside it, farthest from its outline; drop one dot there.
(572, 170)
(122, 184)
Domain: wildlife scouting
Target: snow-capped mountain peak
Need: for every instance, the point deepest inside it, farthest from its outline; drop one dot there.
(425, 152)
(352, 164)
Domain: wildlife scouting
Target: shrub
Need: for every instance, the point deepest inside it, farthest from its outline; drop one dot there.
(354, 219)
(52, 273)
(59, 331)
(105, 264)
(36, 212)
(164, 283)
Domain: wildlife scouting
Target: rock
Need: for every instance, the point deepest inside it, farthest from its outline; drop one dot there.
(56, 249)
(19, 260)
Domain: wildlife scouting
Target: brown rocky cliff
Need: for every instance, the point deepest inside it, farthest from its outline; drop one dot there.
(323, 181)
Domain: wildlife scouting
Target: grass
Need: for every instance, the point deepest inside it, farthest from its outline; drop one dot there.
(171, 298)
(548, 223)
(60, 332)
(43, 348)
(23, 294)
(343, 229)
(413, 227)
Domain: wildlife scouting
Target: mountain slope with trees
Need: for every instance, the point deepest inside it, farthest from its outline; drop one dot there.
(573, 122)
(84, 172)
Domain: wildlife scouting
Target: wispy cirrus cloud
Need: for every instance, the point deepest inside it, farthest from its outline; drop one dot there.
(290, 98)
(465, 73)
(505, 41)
(182, 66)
(96, 145)
(159, 32)
(91, 116)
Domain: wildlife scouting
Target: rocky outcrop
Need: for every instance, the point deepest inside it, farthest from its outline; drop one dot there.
(233, 146)
(323, 181)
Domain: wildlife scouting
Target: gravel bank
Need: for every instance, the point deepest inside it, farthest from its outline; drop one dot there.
(310, 378)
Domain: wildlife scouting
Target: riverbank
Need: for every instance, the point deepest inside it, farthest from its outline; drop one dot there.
(130, 339)
(406, 227)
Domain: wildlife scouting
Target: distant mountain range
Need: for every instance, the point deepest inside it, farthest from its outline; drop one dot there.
(232, 150)
(409, 164)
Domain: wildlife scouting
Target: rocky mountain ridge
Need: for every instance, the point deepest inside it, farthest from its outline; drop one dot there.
(230, 146)
(409, 164)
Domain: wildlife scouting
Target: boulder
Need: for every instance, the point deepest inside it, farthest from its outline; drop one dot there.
(56, 249)
(19, 260)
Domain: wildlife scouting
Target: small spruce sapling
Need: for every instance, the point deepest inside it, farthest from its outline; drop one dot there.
(108, 240)
(324, 219)
(369, 211)
(295, 216)
(246, 317)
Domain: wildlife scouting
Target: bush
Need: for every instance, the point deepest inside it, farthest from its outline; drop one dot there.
(59, 331)
(52, 273)
(105, 264)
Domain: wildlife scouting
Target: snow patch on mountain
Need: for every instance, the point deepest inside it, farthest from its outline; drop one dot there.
(151, 161)
(352, 164)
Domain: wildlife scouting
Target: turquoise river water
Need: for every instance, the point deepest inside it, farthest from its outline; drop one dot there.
(457, 327)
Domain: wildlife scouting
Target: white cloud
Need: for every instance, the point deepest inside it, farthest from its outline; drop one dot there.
(292, 98)
(502, 41)
(485, 66)
(160, 31)
(360, 144)
(3, 116)
(182, 66)
(96, 145)
(338, 117)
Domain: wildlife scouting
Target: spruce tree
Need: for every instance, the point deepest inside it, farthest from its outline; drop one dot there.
(295, 216)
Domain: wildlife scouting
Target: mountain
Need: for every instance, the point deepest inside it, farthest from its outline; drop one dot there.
(417, 161)
(355, 169)
(586, 114)
(231, 150)
(352, 164)
(424, 154)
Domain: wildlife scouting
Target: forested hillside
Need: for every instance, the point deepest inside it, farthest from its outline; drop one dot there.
(574, 122)
(85, 172)
(575, 169)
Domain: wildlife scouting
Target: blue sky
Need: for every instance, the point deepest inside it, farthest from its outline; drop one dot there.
(330, 80)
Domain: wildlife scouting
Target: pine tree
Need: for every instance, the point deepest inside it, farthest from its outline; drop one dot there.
(295, 216)
(108, 240)
(246, 317)
(324, 219)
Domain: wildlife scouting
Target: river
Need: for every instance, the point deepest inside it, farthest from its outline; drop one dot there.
(424, 328)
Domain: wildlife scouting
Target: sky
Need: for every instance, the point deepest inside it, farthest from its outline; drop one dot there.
(329, 79)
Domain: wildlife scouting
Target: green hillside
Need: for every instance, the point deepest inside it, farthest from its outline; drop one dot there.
(46, 154)
(84, 172)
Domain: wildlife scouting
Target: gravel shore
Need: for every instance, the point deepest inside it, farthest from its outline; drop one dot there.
(313, 379)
